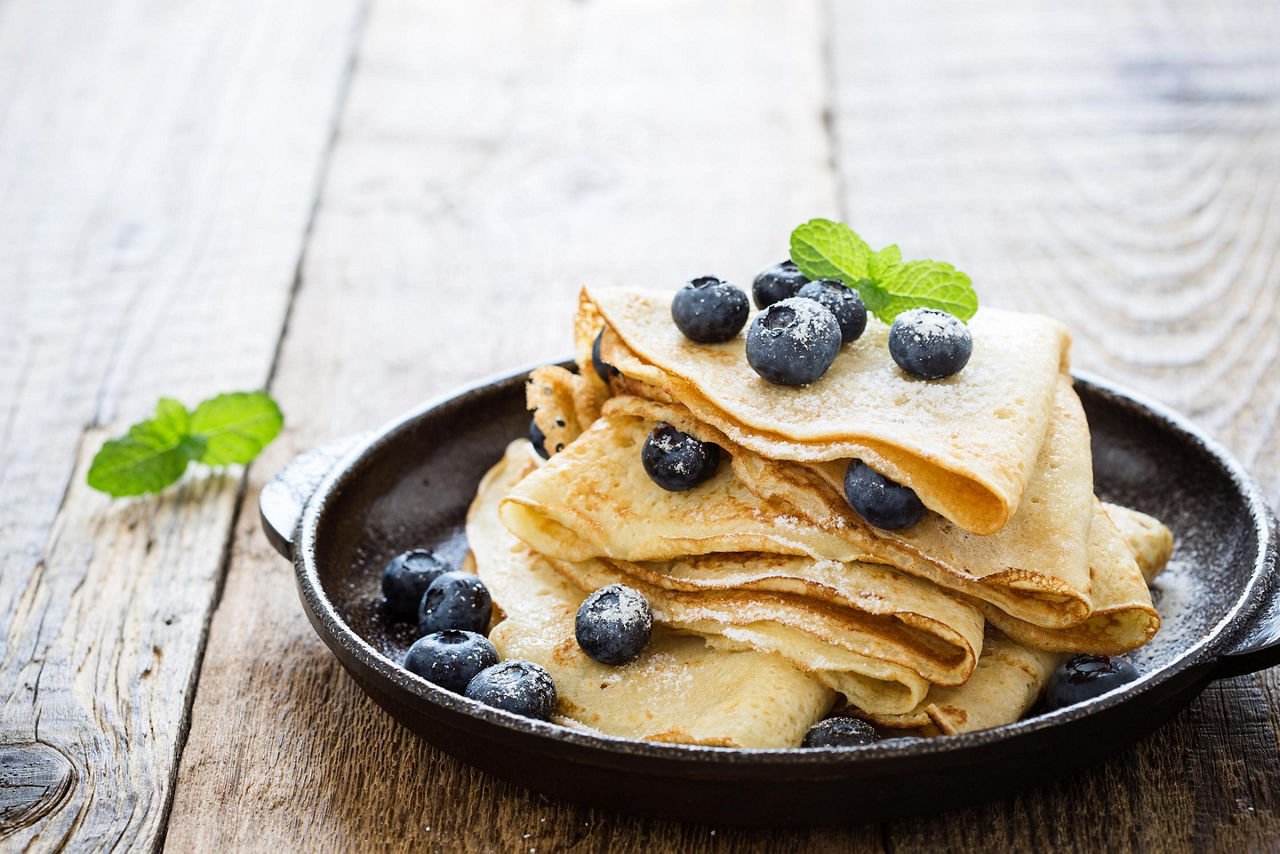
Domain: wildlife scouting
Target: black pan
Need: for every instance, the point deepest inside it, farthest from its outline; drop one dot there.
(341, 512)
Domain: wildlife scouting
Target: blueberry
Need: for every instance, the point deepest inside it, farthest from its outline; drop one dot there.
(930, 344)
(604, 370)
(840, 732)
(676, 461)
(519, 687)
(614, 624)
(793, 342)
(778, 282)
(1085, 677)
(710, 311)
(450, 658)
(407, 577)
(538, 439)
(881, 501)
(844, 302)
(455, 600)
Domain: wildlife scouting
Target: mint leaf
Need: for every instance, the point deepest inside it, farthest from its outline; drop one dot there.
(148, 459)
(230, 428)
(927, 284)
(824, 249)
(172, 419)
(885, 263)
(236, 427)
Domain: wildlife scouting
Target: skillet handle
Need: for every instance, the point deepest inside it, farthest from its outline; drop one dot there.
(1257, 646)
(282, 500)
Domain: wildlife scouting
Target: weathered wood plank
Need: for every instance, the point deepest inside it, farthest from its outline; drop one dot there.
(492, 158)
(158, 168)
(1117, 166)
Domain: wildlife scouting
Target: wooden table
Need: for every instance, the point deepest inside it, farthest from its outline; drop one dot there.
(359, 206)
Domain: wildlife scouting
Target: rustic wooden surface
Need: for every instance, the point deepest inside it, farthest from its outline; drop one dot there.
(157, 173)
(363, 207)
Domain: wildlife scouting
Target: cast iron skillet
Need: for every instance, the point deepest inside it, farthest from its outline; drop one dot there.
(342, 511)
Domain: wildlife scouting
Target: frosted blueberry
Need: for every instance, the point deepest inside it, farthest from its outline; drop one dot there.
(778, 282)
(407, 577)
(519, 687)
(676, 461)
(710, 311)
(882, 502)
(614, 624)
(844, 302)
(840, 732)
(450, 658)
(930, 344)
(793, 342)
(455, 600)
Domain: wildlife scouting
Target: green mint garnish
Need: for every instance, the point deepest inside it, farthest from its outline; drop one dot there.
(824, 249)
(227, 429)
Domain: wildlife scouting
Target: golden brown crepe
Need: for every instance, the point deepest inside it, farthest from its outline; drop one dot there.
(966, 444)
(771, 597)
(563, 404)
(1008, 679)
(851, 659)
(1123, 616)
(1042, 539)
(1036, 568)
(593, 499)
(1151, 541)
(679, 690)
(1011, 674)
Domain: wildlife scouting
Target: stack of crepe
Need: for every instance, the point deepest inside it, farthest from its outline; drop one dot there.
(774, 601)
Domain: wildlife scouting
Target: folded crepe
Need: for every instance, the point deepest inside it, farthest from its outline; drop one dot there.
(593, 500)
(1036, 568)
(1019, 574)
(1006, 683)
(679, 690)
(1150, 540)
(967, 444)
(563, 404)
(1123, 616)
(849, 658)
(1011, 673)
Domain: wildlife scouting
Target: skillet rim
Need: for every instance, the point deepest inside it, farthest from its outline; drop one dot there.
(415, 690)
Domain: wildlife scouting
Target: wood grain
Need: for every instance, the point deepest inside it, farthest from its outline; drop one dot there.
(1113, 164)
(158, 167)
(1117, 166)
(461, 212)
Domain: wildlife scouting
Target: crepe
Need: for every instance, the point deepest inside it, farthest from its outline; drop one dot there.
(679, 690)
(966, 444)
(1036, 568)
(1123, 616)
(1011, 572)
(1011, 674)
(771, 597)
(563, 404)
(1006, 683)
(910, 615)
(1150, 541)
(850, 659)
(593, 499)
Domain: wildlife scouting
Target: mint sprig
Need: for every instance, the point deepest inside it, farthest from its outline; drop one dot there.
(824, 249)
(223, 430)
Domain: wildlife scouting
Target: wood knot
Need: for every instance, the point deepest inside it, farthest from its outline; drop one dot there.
(34, 780)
